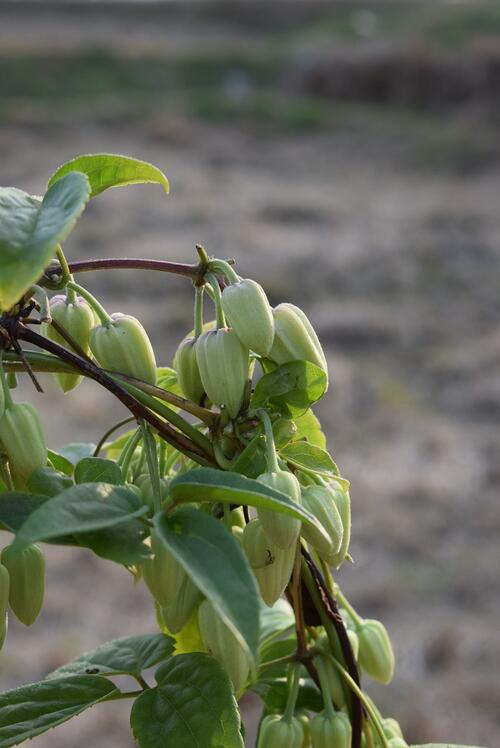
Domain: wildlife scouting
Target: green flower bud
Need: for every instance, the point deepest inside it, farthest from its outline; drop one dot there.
(295, 338)
(280, 528)
(304, 720)
(77, 319)
(23, 441)
(124, 346)
(177, 613)
(163, 574)
(188, 372)
(353, 638)
(27, 582)
(248, 312)
(224, 368)
(222, 644)
(392, 728)
(343, 503)
(319, 501)
(147, 493)
(331, 730)
(271, 565)
(4, 602)
(376, 656)
(276, 733)
(238, 517)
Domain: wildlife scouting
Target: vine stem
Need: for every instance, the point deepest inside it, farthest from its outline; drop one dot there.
(177, 439)
(188, 270)
(331, 618)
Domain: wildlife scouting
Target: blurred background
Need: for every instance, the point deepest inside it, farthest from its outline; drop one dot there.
(347, 156)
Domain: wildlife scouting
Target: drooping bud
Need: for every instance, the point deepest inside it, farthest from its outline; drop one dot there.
(27, 582)
(147, 493)
(353, 638)
(188, 372)
(343, 503)
(320, 502)
(331, 730)
(23, 440)
(177, 613)
(392, 728)
(280, 528)
(335, 683)
(271, 565)
(250, 315)
(4, 602)
(123, 346)
(376, 655)
(275, 732)
(77, 319)
(304, 720)
(222, 644)
(223, 362)
(163, 574)
(295, 338)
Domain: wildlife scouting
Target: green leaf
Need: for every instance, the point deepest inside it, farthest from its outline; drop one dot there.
(309, 429)
(76, 451)
(123, 543)
(307, 456)
(106, 170)
(84, 508)
(98, 470)
(252, 462)
(60, 463)
(218, 567)
(274, 694)
(30, 232)
(48, 482)
(275, 620)
(291, 388)
(127, 656)
(191, 707)
(16, 507)
(209, 484)
(31, 710)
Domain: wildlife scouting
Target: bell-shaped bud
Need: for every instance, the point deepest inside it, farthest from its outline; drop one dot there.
(304, 720)
(250, 315)
(4, 602)
(328, 730)
(188, 372)
(163, 574)
(319, 501)
(391, 728)
(295, 338)
(177, 613)
(77, 318)
(27, 581)
(271, 565)
(342, 501)
(224, 363)
(123, 346)
(23, 440)
(376, 655)
(147, 493)
(276, 732)
(335, 682)
(354, 641)
(222, 644)
(280, 528)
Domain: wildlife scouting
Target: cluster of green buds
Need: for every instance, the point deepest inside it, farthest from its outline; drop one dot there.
(75, 316)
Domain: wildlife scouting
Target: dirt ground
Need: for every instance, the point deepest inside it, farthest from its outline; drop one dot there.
(398, 268)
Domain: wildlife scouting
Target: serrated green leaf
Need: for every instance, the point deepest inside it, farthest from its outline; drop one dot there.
(191, 707)
(98, 470)
(218, 567)
(209, 484)
(106, 170)
(128, 655)
(30, 710)
(308, 457)
(290, 388)
(79, 509)
(31, 230)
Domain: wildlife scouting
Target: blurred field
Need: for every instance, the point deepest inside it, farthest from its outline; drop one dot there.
(347, 157)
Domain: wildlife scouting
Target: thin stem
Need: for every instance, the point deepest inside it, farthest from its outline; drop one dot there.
(325, 687)
(198, 311)
(277, 661)
(170, 461)
(217, 299)
(144, 684)
(128, 450)
(5, 474)
(5, 385)
(135, 263)
(152, 460)
(120, 695)
(225, 269)
(272, 457)
(296, 593)
(294, 692)
(361, 696)
(92, 301)
(105, 437)
(65, 272)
